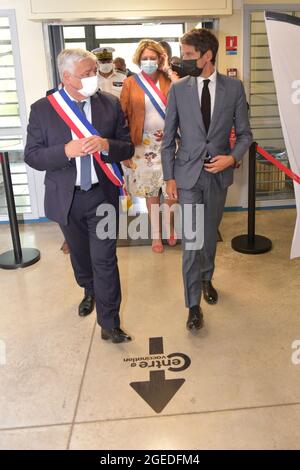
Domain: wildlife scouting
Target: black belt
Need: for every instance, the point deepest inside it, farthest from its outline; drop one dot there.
(207, 158)
(78, 188)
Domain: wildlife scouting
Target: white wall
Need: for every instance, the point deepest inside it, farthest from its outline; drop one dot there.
(102, 9)
(233, 26)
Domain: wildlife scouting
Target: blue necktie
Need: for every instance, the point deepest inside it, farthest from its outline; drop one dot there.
(85, 162)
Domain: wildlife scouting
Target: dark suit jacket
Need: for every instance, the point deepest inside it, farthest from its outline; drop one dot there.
(47, 135)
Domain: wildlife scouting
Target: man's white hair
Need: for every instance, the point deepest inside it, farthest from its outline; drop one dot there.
(67, 58)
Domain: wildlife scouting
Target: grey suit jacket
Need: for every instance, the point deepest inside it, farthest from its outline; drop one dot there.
(183, 111)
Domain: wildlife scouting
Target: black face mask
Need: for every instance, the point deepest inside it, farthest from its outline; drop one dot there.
(190, 67)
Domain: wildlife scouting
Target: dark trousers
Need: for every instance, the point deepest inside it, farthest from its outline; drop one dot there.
(94, 260)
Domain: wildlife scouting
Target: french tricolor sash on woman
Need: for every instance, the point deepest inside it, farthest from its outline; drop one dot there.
(78, 123)
(155, 95)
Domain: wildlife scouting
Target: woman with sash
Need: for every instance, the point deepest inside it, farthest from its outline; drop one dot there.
(144, 99)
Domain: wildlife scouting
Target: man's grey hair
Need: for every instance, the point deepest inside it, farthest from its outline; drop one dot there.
(67, 58)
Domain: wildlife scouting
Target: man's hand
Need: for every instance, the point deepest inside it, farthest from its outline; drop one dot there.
(171, 189)
(219, 163)
(86, 146)
(95, 144)
(74, 148)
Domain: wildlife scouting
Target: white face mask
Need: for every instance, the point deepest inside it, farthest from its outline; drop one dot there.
(89, 86)
(149, 66)
(106, 68)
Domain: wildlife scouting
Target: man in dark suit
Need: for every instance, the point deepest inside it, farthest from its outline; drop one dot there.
(76, 186)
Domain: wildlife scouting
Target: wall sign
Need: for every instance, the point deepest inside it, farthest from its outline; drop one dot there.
(231, 45)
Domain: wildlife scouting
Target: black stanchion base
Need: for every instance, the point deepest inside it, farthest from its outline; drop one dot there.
(242, 244)
(29, 257)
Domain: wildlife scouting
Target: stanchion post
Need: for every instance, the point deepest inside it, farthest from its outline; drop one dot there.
(11, 208)
(16, 258)
(251, 243)
(251, 193)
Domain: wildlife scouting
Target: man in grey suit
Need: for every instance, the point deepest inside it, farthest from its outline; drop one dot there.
(204, 106)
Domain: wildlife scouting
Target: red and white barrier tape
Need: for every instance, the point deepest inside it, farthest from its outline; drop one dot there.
(279, 165)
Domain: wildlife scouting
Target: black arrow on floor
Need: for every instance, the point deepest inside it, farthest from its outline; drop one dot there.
(158, 391)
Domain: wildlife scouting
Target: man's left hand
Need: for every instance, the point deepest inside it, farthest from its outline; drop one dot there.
(95, 144)
(219, 163)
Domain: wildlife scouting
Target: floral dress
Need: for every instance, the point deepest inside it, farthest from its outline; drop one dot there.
(145, 177)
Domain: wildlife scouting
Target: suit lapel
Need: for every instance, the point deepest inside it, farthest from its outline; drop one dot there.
(98, 116)
(95, 114)
(219, 102)
(95, 110)
(195, 103)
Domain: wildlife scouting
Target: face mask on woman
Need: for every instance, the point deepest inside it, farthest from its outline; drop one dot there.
(149, 66)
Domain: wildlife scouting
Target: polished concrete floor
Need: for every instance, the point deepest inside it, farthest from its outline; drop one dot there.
(61, 386)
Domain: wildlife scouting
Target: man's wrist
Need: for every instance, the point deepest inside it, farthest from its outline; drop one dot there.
(66, 151)
(105, 148)
(234, 162)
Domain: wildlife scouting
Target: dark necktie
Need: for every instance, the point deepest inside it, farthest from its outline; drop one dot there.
(85, 162)
(206, 105)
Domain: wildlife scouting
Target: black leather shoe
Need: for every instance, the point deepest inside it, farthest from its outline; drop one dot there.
(115, 334)
(209, 292)
(195, 318)
(86, 306)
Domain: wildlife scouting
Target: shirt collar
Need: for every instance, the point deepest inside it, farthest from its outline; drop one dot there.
(212, 77)
(113, 73)
(86, 100)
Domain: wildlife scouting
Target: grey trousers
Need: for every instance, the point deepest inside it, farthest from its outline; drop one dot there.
(198, 265)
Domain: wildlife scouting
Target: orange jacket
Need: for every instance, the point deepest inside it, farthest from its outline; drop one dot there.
(133, 104)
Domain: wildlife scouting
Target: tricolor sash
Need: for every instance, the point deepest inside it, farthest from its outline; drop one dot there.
(155, 95)
(78, 123)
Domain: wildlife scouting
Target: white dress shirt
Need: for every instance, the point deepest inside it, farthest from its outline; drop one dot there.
(88, 112)
(211, 87)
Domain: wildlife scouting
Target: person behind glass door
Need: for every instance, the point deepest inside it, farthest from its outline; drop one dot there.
(110, 80)
(166, 67)
(120, 66)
